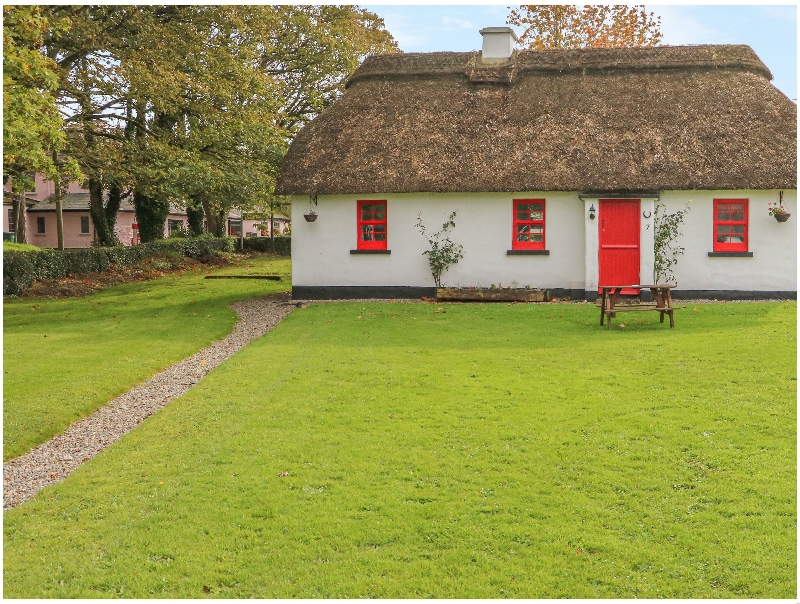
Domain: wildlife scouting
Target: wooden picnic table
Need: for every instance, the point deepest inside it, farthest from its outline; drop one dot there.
(662, 301)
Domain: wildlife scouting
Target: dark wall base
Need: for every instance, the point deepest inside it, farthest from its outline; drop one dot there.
(561, 292)
(353, 292)
(723, 294)
(710, 294)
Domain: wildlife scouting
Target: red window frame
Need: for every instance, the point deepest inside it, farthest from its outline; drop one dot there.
(731, 222)
(528, 228)
(371, 229)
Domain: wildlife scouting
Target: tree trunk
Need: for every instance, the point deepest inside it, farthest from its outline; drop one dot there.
(215, 220)
(194, 215)
(59, 219)
(20, 218)
(59, 208)
(112, 207)
(151, 214)
(103, 236)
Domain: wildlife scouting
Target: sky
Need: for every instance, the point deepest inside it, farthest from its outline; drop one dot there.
(770, 30)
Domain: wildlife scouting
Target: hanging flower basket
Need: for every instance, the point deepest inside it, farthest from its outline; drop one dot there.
(310, 217)
(782, 217)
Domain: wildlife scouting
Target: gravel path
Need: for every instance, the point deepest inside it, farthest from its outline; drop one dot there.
(53, 461)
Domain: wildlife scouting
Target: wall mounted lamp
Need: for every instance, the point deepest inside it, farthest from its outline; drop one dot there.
(591, 212)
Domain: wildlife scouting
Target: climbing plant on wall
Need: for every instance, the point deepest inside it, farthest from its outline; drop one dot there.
(667, 230)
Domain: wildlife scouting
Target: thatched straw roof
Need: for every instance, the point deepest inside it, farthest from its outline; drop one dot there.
(664, 118)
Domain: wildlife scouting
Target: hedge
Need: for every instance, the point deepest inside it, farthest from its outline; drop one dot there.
(21, 269)
(281, 246)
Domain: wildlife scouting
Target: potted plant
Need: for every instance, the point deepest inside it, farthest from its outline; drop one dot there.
(310, 216)
(779, 210)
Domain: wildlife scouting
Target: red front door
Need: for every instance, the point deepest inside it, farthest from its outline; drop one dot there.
(619, 242)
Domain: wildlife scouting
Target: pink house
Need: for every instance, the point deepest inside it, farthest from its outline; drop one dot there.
(78, 227)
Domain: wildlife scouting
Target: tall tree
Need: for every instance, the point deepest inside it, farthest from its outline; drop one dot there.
(32, 127)
(197, 104)
(313, 51)
(590, 26)
(91, 96)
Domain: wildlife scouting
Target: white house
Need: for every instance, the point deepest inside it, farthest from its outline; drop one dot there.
(554, 162)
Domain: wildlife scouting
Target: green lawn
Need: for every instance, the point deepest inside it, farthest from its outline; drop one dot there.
(62, 359)
(472, 451)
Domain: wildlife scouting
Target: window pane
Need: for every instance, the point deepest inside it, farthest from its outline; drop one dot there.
(522, 237)
(379, 228)
(366, 232)
(523, 228)
(537, 229)
(379, 214)
(523, 215)
(738, 229)
(738, 216)
(537, 215)
(366, 212)
(723, 215)
(380, 236)
(737, 239)
(537, 238)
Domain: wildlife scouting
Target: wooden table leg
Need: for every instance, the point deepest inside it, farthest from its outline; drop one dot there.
(611, 301)
(668, 304)
(603, 306)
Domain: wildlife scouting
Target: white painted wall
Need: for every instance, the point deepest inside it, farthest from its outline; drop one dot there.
(773, 266)
(321, 250)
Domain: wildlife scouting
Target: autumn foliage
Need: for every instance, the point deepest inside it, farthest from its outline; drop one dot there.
(592, 26)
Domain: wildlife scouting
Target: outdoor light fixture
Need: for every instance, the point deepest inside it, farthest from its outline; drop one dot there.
(591, 212)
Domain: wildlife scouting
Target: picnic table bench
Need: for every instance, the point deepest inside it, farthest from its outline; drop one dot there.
(662, 302)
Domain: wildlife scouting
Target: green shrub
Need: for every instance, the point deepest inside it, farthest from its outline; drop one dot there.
(9, 246)
(21, 269)
(281, 246)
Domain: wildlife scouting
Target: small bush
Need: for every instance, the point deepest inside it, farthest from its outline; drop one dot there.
(21, 269)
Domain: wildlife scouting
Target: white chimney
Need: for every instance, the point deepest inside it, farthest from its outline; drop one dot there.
(498, 42)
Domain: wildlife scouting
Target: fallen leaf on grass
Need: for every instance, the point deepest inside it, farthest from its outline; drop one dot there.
(283, 474)
(206, 589)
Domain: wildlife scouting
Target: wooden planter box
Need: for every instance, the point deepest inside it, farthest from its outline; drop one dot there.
(492, 295)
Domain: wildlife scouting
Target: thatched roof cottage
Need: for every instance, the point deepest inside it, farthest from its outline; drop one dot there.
(550, 159)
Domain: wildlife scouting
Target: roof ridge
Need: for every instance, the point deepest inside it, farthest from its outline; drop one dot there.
(697, 56)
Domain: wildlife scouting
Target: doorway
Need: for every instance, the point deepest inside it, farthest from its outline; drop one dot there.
(619, 243)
